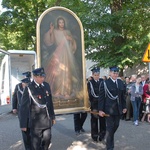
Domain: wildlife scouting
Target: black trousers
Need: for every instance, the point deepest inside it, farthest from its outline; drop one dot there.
(40, 139)
(112, 124)
(79, 119)
(129, 107)
(98, 127)
(26, 136)
(26, 139)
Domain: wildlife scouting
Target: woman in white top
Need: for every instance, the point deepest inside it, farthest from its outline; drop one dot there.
(136, 98)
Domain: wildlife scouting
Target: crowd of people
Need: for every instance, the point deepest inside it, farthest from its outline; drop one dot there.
(137, 98)
(122, 98)
(111, 99)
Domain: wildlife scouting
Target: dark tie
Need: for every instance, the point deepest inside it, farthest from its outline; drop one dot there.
(41, 88)
(115, 83)
(40, 85)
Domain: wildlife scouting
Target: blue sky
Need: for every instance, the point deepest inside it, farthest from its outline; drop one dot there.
(0, 5)
(1, 9)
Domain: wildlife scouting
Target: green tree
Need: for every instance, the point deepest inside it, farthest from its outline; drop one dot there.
(116, 31)
(18, 23)
(119, 32)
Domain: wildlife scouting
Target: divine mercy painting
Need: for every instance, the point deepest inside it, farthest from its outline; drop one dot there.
(60, 50)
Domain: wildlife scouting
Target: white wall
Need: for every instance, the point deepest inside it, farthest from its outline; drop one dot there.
(137, 69)
(89, 64)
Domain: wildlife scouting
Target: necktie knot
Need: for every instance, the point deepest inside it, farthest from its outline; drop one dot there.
(116, 83)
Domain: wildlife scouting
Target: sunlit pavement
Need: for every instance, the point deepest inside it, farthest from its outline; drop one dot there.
(65, 128)
(127, 137)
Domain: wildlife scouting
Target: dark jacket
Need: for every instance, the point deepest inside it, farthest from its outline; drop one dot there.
(16, 100)
(93, 92)
(40, 118)
(106, 104)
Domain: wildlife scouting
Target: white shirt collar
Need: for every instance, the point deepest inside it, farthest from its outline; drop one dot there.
(113, 80)
(96, 80)
(38, 83)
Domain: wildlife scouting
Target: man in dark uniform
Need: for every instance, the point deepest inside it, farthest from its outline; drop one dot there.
(16, 100)
(98, 125)
(37, 100)
(112, 102)
(27, 74)
(16, 103)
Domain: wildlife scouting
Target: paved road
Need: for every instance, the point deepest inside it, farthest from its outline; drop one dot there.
(128, 136)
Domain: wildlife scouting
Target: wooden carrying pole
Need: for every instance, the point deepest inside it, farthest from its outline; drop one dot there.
(96, 113)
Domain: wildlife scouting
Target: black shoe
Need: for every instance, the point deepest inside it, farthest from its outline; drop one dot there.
(127, 119)
(95, 140)
(77, 133)
(82, 130)
(100, 138)
(102, 135)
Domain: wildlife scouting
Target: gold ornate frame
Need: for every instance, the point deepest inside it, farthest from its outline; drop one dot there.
(69, 106)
